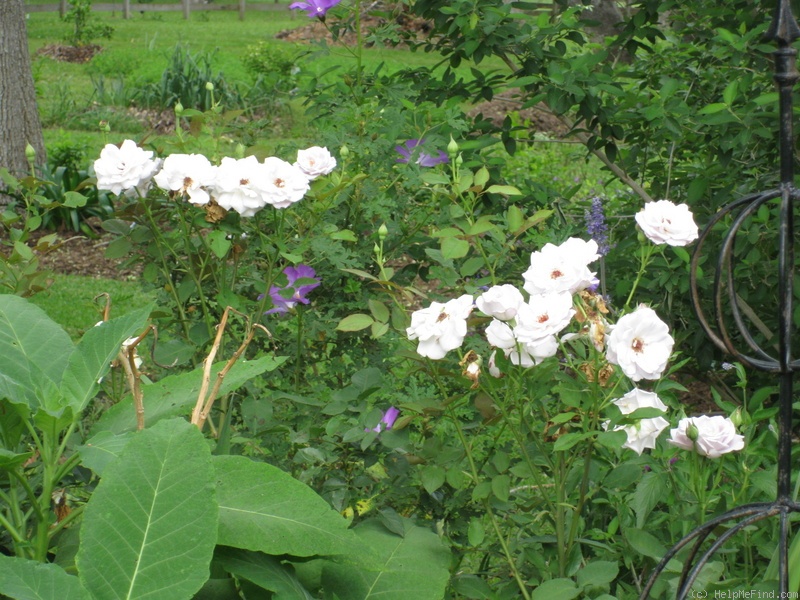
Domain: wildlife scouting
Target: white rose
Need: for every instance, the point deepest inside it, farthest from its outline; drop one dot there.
(125, 169)
(188, 174)
(284, 184)
(644, 433)
(640, 344)
(440, 327)
(664, 222)
(500, 335)
(636, 399)
(561, 268)
(543, 316)
(315, 161)
(715, 436)
(500, 301)
(528, 355)
(239, 185)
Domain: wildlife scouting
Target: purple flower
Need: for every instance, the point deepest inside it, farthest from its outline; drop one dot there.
(596, 226)
(408, 153)
(315, 8)
(388, 419)
(301, 280)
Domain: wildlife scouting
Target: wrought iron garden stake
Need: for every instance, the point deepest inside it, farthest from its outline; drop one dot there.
(783, 31)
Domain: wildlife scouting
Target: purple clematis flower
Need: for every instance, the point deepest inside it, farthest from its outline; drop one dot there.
(315, 8)
(387, 420)
(301, 280)
(423, 159)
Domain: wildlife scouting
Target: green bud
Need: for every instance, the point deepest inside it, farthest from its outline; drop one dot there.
(459, 160)
(178, 108)
(691, 431)
(737, 418)
(452, 148)
(30, 153)
(104, 126)
(344, 151)
(376, 249)
(383, 231)
(240, 150)
(209, 86)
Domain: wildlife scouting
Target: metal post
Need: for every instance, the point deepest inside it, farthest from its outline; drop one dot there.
(783, 32)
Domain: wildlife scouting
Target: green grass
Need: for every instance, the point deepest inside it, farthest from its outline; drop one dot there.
(71, 303)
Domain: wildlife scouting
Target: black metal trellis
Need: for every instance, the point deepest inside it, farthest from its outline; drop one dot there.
(783, 31)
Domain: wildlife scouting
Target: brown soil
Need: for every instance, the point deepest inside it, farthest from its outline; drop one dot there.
(73, 54)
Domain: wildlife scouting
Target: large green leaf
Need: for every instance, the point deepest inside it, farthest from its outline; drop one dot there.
(23, 579)
(265, 571)
(414, 566)
(103, 449)
(94, 353)
(34, 351)
(149, 529)
(176, 394)
(264, 509)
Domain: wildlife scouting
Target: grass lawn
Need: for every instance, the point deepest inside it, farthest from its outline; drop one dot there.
(71, 303)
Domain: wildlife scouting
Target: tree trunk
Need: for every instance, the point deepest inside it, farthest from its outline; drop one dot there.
(19, 115)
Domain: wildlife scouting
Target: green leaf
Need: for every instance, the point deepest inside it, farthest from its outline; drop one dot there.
(501, 485)
(102, 449)
(453, 247)
(598, 573)
(508, 190)
(177, 394)
(378, 310)
(94, 353)
(563, 589)
(711, 109)
(472, 587)
(149, 528)
(34, 351)
(219, 243)
(413, 566)
(645, 543)
(355, 322)
(514, 218)
(264, 571)
(475, 532)
(74, 199)
(432, 477)
(24, 579)
(568, 440)
(345, 235)
(262, 508)
(650, 491)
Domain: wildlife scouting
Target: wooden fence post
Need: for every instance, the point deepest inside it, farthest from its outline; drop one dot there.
(126, 9)
(62, 8)
(186, 9)
(241, 9)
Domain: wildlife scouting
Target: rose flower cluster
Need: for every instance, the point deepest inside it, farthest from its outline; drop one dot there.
(243, 185)
(560, 289)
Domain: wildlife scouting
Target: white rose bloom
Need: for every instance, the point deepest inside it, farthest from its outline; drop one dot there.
(636, 399)
(240, 185)
(715, 436)
(188, 174)
(500, 335)
(640, 344)
(528, 355)
(440, 327)
(543, 316)
(500, 301)
(664, 222)
(644, 433)
(284, 184)
(562, 268)
(125, 169)
(315, 161)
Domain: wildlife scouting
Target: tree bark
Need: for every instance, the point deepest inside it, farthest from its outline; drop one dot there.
(19, 115)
